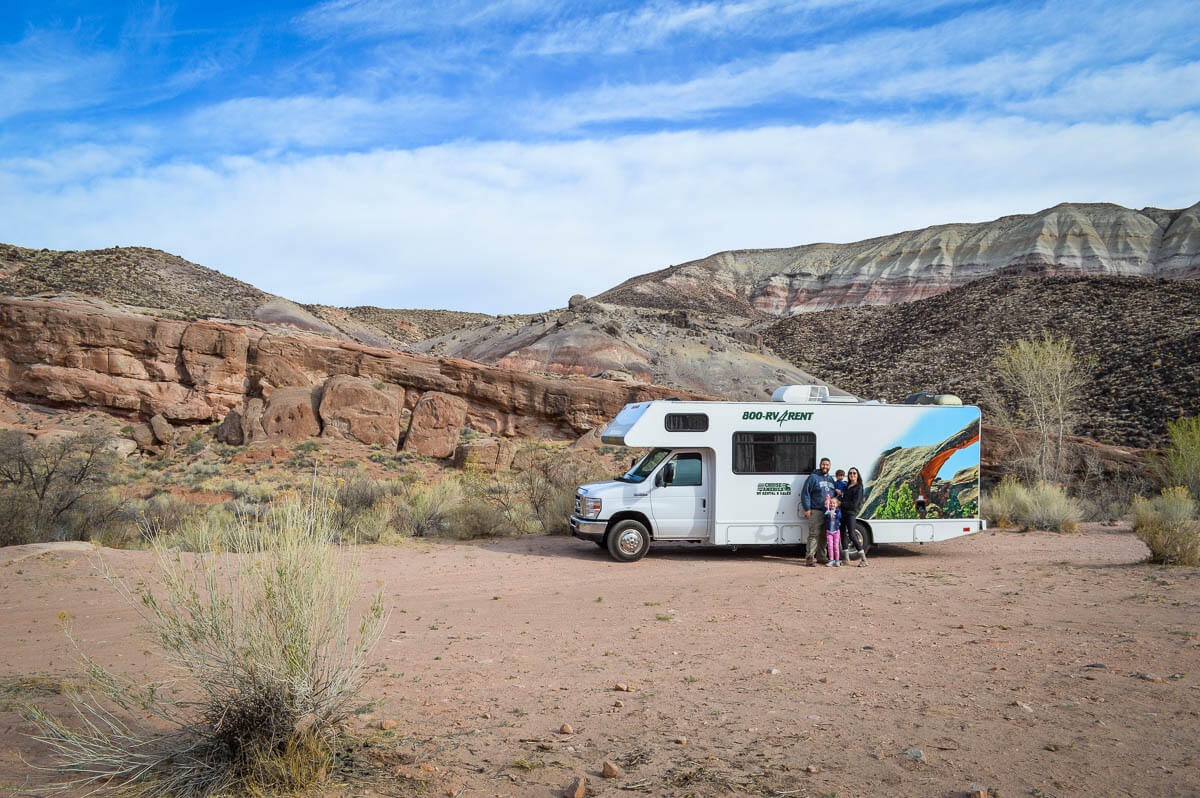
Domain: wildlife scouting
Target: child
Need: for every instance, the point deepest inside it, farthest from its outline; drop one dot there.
(839, 483)
(833, 532)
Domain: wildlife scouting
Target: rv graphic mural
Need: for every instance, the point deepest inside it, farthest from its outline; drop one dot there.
(924, 462)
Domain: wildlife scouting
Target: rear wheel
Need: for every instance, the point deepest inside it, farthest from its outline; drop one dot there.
(861, 539)
(628, 540)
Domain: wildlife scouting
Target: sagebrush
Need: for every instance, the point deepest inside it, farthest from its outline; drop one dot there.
(267, 657)
(1043, 505)
(1169, 526)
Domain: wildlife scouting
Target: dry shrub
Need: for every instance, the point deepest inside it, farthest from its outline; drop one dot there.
(427, 509)
(268, 658)
(1043, 506)
(1169, 527)
(549, 480)
(58, 490)
(1007, 504)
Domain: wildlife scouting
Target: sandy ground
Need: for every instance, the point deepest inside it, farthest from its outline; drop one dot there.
(1030, 664)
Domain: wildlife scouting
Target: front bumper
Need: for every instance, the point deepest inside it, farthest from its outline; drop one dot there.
(584, 529)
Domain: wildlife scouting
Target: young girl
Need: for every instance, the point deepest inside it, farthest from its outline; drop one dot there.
(833, 534)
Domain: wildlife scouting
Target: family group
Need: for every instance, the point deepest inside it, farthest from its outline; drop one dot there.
(831, 505)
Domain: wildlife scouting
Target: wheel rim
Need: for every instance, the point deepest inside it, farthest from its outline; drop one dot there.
(629, 541)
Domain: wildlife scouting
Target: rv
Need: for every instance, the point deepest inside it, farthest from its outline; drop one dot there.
(731, 473)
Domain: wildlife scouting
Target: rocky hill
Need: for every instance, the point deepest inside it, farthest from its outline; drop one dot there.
(1068, 239)
(160, 281)
(1142, 333)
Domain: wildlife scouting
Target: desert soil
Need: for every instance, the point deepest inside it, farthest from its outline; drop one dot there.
(1030, 664)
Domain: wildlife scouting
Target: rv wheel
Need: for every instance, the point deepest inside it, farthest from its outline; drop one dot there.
(628, 541)
(864, 535)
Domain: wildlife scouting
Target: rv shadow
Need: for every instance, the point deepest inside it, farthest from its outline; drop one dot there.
(561, 547)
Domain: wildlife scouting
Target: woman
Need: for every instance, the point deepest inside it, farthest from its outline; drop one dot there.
(852, 499)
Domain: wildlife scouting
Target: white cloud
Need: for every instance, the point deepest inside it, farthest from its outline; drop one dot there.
(507, 227)
(49, 71)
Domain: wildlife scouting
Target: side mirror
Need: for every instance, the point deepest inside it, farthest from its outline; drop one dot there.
(668, 473)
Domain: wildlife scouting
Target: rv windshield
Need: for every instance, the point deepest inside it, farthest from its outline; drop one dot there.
(642, 470)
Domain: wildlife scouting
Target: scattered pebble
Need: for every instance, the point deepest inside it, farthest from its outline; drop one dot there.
(566, 729)
(610, 770)
(576, 789)
(772, 671)
(915, 754)
(812, 769)
(618, 703)
(681, 740)
(1146, 677)
(387, 725)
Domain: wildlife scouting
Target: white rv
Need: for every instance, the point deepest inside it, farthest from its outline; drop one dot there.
(731, 473)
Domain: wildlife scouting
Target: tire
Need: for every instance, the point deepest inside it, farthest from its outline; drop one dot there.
(864, 534)
(628, 540)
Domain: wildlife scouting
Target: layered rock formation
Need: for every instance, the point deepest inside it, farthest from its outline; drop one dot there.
(1068, 239)
(266, 386)
(702, 352)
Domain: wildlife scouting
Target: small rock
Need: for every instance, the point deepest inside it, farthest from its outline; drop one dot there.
(1148, 677)
(772, 671)
(1096, 665)
(868, 648)
(1176, 676)
(812, 769)
(576, 789)
(977, 792)
(566, 729)
(610, 770)
(618, 703)
(387, 725)
(1023, 706)
(824, 680)
(915, 754)
(621, 687)
(681, 740)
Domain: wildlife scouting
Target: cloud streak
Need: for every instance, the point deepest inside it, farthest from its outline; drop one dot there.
(509, 226)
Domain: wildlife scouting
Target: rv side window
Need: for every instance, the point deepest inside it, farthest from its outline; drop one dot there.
(686, 422)
(774, 452)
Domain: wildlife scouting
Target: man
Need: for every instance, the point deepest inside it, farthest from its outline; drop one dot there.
(817, 490)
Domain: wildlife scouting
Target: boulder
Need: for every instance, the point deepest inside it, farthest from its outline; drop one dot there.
(575, 301)
(749, 338)
(163, 431)
(121, 447)
(143, 436)
(352, 408)
(230, 430)
(588, 440)
(252, 421)
(488, 454)
(292, 414)
(436, 424)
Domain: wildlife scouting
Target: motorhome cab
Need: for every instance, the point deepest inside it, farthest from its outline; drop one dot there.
(731, 473)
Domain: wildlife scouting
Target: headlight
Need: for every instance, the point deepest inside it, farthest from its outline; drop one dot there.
(589, 508)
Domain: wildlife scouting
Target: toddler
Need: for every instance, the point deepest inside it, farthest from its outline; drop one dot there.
(833, 532)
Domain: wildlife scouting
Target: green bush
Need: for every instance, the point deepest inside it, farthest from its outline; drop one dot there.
(1169, 527)
(163, 514)
(1179, 463)
(267, 656)
(899, 503)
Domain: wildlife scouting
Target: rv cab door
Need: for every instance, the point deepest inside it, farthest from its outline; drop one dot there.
(680, 499)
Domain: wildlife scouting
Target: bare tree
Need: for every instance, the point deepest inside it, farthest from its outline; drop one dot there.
(1040, 384)
(48, 491)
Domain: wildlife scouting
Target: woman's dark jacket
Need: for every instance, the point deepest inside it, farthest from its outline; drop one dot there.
(852, 498)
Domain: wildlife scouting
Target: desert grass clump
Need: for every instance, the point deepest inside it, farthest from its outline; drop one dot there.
(1042, 506)
(266, 656)
(1169, 526)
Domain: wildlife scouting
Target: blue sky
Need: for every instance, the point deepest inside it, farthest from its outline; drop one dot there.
(934, 426)
(501, 156)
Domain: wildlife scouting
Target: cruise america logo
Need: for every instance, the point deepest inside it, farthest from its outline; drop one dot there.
(778, 416)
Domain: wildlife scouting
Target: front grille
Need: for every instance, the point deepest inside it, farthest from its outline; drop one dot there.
(577, 505)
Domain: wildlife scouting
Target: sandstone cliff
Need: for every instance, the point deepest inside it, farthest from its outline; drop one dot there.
(79, 352)
(1068, 239)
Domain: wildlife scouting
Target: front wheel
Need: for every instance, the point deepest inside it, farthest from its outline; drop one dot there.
(628, 541)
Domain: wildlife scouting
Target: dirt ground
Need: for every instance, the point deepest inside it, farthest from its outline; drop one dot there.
(1027, 664)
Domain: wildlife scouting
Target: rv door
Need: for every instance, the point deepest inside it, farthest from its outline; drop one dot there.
(680, 499)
